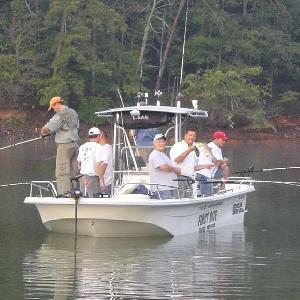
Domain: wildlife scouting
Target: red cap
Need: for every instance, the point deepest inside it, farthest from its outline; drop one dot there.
(220, 135)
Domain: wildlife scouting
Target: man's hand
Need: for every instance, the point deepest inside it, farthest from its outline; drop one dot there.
(102, 185)
(209, 166)
(192, 148)
(44, 130)
(176, 170)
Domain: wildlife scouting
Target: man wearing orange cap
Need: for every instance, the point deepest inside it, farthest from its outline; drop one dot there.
(64, 124)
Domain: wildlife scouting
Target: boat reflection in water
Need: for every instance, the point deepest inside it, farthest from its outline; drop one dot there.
(190, 266)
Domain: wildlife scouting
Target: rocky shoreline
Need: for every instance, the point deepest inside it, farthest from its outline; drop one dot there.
(24, 125)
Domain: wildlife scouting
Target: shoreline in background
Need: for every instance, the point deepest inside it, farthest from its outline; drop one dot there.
(23, 125)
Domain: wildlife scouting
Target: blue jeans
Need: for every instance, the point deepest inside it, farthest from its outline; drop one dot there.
(219, 173)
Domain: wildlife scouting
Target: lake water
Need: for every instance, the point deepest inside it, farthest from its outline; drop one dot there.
(257, 260)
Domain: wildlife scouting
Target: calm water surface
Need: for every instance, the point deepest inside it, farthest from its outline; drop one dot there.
(257, 260)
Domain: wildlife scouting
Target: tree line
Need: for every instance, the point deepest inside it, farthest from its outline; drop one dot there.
(239, 58)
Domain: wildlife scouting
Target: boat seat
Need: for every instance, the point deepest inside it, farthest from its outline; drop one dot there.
(136, 179)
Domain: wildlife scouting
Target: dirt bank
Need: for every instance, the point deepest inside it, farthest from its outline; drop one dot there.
(21, 125)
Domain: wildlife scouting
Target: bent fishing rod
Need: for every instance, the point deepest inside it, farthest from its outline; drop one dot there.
(251, 169)
(27, 141)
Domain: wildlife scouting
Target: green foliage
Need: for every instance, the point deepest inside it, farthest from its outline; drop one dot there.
(89, 106)
(225, 93)
(289, 103)
(259, 121)
(241, 58)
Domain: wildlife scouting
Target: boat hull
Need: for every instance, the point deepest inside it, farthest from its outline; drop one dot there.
(134, 216)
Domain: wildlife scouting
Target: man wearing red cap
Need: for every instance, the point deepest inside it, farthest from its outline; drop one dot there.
(222, 170)
(211, 164)
(65, 125)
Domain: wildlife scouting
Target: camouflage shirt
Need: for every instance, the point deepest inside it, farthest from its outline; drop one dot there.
(65, 124)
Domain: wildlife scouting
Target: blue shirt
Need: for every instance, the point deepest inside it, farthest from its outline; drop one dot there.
(144, 137)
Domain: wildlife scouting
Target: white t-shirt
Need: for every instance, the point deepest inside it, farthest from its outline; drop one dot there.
(87, 158)
(217, 153)
(205, 159)
(105, 155)
(215, 150)
(156, 159)
(187, 166)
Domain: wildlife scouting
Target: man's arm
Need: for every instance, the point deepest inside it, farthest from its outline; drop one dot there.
(201, 167)
(53, 124)
(184, 154)
(168, 168)
(101, 168)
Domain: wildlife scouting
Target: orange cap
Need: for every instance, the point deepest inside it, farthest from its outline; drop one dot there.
(55, 100)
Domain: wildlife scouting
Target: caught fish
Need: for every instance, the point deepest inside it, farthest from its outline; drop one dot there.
(204, 150)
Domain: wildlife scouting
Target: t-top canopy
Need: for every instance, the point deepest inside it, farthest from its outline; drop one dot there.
(168, 109)
(150, 116)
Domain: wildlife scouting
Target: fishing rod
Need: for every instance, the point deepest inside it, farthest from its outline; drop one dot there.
(122, 121)
(14, 184)
(27, 141)
(184, 41)
(42, 159)
(18, 183)
(251, 169)
(238, 181)
(241, 181)
(49, 158)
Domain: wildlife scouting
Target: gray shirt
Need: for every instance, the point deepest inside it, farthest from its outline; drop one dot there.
(156, 159)
(65, 124)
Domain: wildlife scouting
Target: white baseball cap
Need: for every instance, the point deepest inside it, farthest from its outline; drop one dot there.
(94, 131)
(159, 136)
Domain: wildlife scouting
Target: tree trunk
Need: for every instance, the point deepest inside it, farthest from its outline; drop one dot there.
(168, 46)
(59, 47)
(146, 33)
(245, 3)
(93, 42)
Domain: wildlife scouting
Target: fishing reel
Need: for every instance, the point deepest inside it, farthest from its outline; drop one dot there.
(76, 194)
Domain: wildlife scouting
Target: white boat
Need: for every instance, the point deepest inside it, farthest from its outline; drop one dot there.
(128, 214)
